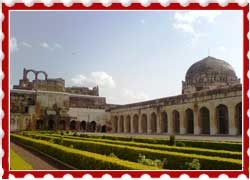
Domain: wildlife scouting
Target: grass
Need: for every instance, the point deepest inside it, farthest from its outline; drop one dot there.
(18, 163)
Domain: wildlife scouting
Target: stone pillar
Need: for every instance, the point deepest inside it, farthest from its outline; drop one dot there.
(197, 129)
(113, 124)
(149, 130)
(78, 125)
(158, 122)
(132, 124)
(213, 121)
(118, 125)
(125, 125)
(170, 122)
(139, 123)
(232, 120)
(183, 127)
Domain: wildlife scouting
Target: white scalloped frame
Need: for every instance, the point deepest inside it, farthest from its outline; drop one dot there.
(9, 5)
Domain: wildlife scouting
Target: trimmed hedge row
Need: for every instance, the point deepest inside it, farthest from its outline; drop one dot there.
(79, 159)
(175, 160)
(189, 150)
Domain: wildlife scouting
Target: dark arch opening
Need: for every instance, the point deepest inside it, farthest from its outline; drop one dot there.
(222, 119)
(128, 125)
(239, 117)
(190, 121)
(51, 124)
(136, 123)
(62, 125)
(92, 126)
(176, 122)
(205, 120)
(115, 124)
(121, 124)
(164, 122)
(72, 125)
(83, 125)
(144, 123)
(104, 128)
(153, 123)
(39, 124)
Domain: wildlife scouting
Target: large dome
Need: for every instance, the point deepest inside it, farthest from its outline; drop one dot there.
(209, 73)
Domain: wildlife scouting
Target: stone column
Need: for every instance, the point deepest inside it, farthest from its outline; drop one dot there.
(158, 123)
(125, 124)
(149, 130)
(170, 122)
(131, 124)
(213, 121)
(139, 123)
(197, 129)
(183, 128)
(118, 125)
(232, 120)
(113, 124)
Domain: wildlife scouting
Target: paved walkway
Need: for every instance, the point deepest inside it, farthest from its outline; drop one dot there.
(188, 137)
(36, 161)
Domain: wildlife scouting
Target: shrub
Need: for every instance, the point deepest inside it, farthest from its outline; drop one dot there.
(113, 155)
(62, 133)
(77, 158)
(180, 144)
(75, 134)
(143, 160)
(172, 140)
(67, 132)
(194, 165)
(175, 159)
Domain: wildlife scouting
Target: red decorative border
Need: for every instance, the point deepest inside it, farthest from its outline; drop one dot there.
(118, 6)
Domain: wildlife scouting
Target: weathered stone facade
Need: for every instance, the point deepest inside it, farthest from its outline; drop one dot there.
(210, 103)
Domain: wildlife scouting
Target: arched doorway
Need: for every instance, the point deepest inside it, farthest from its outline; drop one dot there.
(115, 126)
(176, 122)
(222, 119)
(190, 121)
(92, 126)
(238, 117)
(62, 125)
(136, 123)
(72, 125)
(39, 124)
(128, 125)
(153, 122)
(144, 123)
(104, 128)
(204, 120)
(51, 124)
(164, 122)
(121, 124)
(83, 125)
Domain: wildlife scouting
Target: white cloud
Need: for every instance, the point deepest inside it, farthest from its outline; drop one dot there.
(25, 44)
(100, 78)
(57, 45)
(184, 27)
(45, 45)
(13, 45)
(192, 16)
(51, 47)
(142, 21)
(132, 96)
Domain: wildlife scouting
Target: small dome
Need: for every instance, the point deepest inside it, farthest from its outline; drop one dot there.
(209, 73)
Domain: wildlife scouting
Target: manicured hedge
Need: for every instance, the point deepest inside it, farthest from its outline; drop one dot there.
(77, 158)
(190, 150)
(175, 160)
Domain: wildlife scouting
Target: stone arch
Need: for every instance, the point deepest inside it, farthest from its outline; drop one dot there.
(115, 126)
(176, 122)
(62, 125)
(189, 120)
(164, 122)
(144, 125)
(204, 117)
(51, 124)
(83, 125)
(72, 125)
(42, 72)
(27, 72)
(121, 124)
(222, 119)
(39, 124)
(153, 123)
(238, 118)
(92, 126)
(128, 124)
(136, 123)
(104, 128)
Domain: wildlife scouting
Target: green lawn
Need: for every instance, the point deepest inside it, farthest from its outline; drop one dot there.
(18, 163)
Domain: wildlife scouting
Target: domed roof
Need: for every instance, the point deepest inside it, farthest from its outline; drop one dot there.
(210, 65)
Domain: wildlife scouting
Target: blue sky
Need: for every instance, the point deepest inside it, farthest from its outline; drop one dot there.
(132, 55)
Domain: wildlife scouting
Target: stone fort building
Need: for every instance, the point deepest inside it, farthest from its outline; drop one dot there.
(210, 103)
